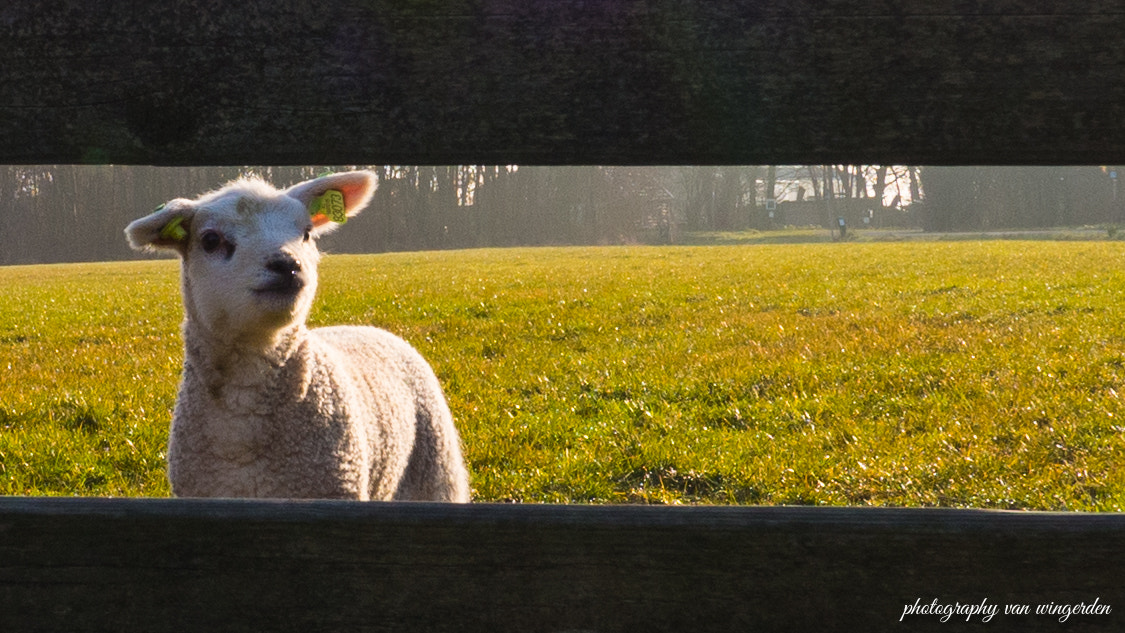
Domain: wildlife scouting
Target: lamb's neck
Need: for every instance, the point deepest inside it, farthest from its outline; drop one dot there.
(221, 363)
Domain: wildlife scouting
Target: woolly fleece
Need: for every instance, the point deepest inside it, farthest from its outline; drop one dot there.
(268, 407)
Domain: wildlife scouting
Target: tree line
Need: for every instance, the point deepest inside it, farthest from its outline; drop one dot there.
(59, 213)
(997, 198)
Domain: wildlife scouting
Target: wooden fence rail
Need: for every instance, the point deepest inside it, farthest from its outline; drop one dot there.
(189, 565)
(536, 81)
(557, 82)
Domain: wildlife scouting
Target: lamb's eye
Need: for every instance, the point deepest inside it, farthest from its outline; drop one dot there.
(211, 241)
(308, 233)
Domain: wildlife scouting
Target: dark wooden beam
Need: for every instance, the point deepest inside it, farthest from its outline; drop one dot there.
(562, 82)
(188, 565)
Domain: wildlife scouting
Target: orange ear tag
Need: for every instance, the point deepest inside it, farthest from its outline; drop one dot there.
(331, 205)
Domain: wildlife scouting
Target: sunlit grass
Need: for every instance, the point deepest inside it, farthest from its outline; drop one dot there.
(89, 359)
(980, 374)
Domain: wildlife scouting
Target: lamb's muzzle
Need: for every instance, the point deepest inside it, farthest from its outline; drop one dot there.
(286, 278)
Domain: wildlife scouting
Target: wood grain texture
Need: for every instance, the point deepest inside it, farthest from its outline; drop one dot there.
(575, 82)
(176, 565)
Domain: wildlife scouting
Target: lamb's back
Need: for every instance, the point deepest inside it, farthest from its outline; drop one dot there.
(383, 360)
(390, 367)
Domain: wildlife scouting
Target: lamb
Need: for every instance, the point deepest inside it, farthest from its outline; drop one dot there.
(268, 407)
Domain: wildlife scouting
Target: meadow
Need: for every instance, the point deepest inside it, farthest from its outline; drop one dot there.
(961, 374)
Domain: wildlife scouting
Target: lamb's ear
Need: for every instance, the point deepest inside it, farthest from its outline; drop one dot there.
(165, 228)
(353, 191)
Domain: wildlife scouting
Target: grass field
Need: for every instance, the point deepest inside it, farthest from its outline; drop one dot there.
(982, 374)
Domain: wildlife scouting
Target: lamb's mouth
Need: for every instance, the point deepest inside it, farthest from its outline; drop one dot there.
(286, 287)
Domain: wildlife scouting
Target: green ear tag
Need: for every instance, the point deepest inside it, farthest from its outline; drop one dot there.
(330, 204)
(173, 231)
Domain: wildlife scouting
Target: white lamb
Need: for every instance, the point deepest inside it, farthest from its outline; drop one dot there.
(268, 407)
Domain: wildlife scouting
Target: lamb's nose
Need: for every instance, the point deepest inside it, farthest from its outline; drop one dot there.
(284, 265)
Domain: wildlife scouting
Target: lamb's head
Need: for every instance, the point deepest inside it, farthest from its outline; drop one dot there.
(249, 250)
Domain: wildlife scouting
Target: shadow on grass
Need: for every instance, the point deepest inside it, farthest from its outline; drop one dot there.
(731, 238)
(819, 235)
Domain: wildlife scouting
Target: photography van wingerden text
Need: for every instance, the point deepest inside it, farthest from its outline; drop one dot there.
(986, 611)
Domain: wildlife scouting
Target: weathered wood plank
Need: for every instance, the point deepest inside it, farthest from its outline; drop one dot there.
(179, 565)
(542, 81)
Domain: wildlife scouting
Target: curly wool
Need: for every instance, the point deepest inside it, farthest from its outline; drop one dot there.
(270, 408)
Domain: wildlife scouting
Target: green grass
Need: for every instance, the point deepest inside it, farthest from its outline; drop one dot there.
(980, 374)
